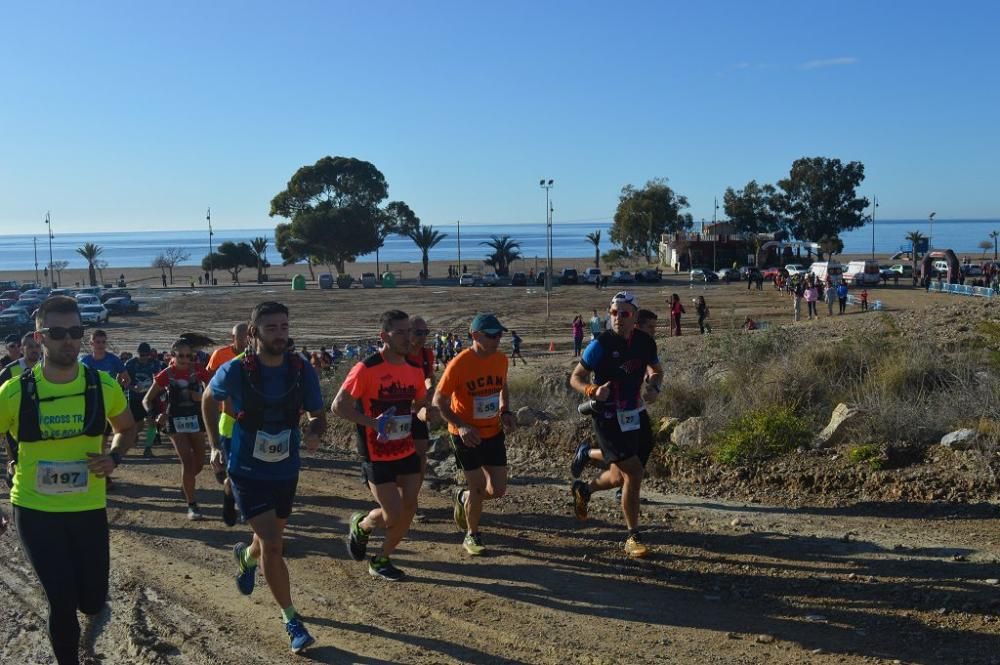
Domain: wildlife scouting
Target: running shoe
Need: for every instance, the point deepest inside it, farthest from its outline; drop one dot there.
(228, 509)
(148, 452)
(357, 538)
(635, 548)
(298, 637)
(581, 497)
(459, 512)
(618, 495)
(381, 566)
(580, 459)
(247, 577)
(194, 513)
(473, 544)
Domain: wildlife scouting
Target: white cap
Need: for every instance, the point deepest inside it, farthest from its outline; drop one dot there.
(625, 297)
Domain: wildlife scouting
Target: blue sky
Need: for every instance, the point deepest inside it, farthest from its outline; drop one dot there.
(131, 115)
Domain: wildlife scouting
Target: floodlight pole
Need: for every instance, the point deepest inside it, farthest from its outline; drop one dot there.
(547, 185)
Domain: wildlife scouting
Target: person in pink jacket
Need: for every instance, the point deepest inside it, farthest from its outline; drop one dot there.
(811, 295)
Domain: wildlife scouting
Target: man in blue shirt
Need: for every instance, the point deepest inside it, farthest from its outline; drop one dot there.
(99, 358)
(266, 392)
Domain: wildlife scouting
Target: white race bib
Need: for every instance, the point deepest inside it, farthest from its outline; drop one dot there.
(186, 424)
(61, 477)
(399, 427)
(272, 447)
(628, 419)
(486, 407)
(145, 383)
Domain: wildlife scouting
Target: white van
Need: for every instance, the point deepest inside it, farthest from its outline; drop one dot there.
(824, 270)
(591, 275)
(863, 273)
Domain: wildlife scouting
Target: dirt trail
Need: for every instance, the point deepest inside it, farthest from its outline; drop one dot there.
(729, 583)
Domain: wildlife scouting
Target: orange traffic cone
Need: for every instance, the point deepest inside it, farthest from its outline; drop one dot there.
(552, 347)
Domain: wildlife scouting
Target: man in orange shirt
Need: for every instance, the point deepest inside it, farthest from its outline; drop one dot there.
(224, 354)
(473, 398)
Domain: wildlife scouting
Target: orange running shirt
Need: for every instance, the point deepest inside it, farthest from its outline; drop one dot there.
(377, 385)
(220, 357)
(474, 384)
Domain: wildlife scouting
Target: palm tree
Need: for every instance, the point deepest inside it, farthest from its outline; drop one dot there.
(595, 240)
(994, 235)
(259, 247)
(425, 238)
(915, 237)
(90, 251)
(505, 251)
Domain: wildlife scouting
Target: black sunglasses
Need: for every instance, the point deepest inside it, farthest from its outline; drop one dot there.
(59, 332)
(496, 335)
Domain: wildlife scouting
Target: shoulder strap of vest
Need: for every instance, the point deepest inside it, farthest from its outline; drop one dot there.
(373, 360)
(28, 427)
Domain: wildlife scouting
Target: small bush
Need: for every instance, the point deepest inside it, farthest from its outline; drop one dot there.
(866, 454)
(760, 435)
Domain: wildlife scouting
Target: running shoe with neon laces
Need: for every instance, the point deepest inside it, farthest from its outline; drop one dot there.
(473, 544)
(381, 566)
(580, 459)
(581, 497)
(298, 637)
(247, 577)
(635, 548)
(357, 538)
(459, 512)
(228, 509)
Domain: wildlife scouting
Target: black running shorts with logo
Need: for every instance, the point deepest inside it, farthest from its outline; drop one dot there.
(618, 446)
(418, 428)
(255, 497)
(489, 452)
(378, 473)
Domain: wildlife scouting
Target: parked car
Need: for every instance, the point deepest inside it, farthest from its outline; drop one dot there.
(862, 273)
(703, 275)
(29, 304)
(622, 277)
(795, 269)
(540, 278)
(972, 270)
(10, 284)
(648, 275)
(519, 279)
(568, 276)
(730, 273)
(491, 279)
(591, 275)
(94, 314)
(13, 294)
(467, 279)
(120, 306)
(87, 299)
(14, 321)
(828, 270)
(773, 273)
(903, 269)
(62, 292)
(90, 290)
(34, 293)
(108, 294)
(5, 303)
(326, 280)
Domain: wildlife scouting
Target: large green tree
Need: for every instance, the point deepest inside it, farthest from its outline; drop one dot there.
(753, 208)
(819, 197)
(505, 252)
(425, 238)
(90, 251)
(643, 215)
(334, 212)
(232, 257)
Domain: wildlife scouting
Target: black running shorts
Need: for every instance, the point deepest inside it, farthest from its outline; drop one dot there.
(489, 452)
(618, 446)
(256, 497)
(378, 473)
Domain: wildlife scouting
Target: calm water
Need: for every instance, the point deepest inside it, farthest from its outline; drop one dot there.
(139, 248)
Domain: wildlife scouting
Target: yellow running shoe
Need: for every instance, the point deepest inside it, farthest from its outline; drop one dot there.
(634, 547)
(459, 511)
(473, 544)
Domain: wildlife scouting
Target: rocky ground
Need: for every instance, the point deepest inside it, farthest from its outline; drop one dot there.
(813, 559)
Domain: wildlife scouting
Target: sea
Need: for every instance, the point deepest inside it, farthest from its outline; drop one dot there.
(139, 248)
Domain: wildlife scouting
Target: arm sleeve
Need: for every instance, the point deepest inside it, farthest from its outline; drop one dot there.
(354, 384)
(162, 379)
(592, 355)
(312, 398)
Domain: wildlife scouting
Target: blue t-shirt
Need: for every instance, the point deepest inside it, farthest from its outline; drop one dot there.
(110, 363)
(623, 362)
(141, 376)
(243, 463)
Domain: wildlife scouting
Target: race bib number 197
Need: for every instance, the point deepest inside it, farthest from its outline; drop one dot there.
(61, 478)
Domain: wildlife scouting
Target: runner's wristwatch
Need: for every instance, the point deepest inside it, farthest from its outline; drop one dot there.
(116, 457)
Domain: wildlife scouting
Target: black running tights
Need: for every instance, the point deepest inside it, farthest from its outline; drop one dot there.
(70, 555)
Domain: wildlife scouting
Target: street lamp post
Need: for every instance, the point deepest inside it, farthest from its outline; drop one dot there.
(715, 232)
(211, 265)
(874, 207)
(34, 244)
(930, 233)
(52, 276)
(460, 271)
(547, 185)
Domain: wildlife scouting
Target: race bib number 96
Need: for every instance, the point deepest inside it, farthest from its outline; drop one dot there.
(61, 478)
(272, 447)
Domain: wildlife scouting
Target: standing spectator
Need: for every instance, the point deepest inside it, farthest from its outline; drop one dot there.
(759, 276)
(676, 309)
(596, 326)
(702, 308)
(749, 278)
(515, 352)
(842, 297)
(812, 295)
(830, 295)
(797, 292)
(864, 300)
(577, 335)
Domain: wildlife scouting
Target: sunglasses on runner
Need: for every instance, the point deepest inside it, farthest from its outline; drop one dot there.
(59, 332)
(421, 333)
(620, 313)
(496, 335)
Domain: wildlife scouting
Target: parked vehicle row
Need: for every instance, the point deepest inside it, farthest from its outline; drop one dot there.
(17, 308)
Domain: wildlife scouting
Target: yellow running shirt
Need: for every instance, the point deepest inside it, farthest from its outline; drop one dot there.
(52, 475)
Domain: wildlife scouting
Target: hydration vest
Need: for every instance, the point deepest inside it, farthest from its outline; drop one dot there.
(255, 403)
(29, 415)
